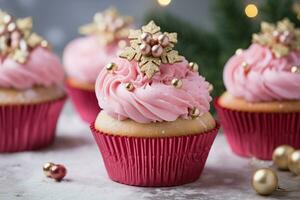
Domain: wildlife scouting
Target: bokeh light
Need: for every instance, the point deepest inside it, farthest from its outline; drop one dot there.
(164, 2)
(251, 10)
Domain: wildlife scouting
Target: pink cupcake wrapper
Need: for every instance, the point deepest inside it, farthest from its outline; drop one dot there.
(167, 161)
(30, 126)
(85, 102)
(254, 134)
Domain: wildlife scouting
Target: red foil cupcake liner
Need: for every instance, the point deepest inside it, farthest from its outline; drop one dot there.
(153, 162)
(253, 134)
(85, 103)
(30, 126)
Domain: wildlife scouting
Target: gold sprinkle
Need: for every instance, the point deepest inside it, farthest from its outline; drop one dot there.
(129, 86)
(193, 66)
(177, 83)
(194, 113)
(238, 51)
(295, 69)
(111, 67)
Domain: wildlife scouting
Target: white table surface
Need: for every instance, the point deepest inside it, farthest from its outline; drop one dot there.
(225, 177)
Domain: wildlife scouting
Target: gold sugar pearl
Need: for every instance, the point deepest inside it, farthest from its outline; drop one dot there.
(11, 27)
(129, 86)
(111, 67)
(194, 113)
(238, 51)
(244, 64)
(177, 83)
(7, 19)
(193, 66)
(295, 69)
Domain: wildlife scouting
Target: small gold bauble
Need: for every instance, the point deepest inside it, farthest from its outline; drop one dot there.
(129, 86)
(281, 155)
(194, 113)
(193, 66)
(111, 67)
(177, 83)
(294, 162)
(46, 168)
(295, 69)
(264, 181)
(238, 51)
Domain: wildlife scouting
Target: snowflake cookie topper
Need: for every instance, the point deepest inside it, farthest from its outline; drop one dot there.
(17, 38)
(108, 24)
(280, 38)
(151, 48)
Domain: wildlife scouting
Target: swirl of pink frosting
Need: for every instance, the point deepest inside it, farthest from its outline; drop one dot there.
(266, 78)
(43, 68)
(84, 58)
(153, 100)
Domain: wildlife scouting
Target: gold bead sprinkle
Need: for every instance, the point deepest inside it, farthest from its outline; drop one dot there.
(244, 64)
(177, 83)
(194, 113)
(238, 51)
(111, 67)
(295, 69)
(193, 66)
(129, 86)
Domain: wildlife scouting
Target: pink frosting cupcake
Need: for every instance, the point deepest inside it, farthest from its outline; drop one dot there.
(84, 58)
(261, 108)
(155, 128)
(31, 87)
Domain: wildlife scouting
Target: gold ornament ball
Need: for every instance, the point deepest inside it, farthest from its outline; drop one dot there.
(177, 83)
(264, 181)
(46, 168)
(281, 155)
(294, 162)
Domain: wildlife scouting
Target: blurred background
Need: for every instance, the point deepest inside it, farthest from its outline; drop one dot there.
(209, 31)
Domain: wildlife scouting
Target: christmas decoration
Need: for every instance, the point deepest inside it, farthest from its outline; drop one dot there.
(110, 25)
(17, 38)
(294, 162)
(281, 155)
(177, 83)
(111, 67)
(55, 171)
(281, 39)
(264, 181)
(150, 48)
(58, 172)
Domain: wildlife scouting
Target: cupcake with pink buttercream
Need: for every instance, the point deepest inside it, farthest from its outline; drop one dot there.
(84, 58)
(31, 87)
(155, 128)
(261, 108)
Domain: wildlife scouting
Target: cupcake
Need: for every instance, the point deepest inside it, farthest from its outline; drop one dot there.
(31, 92)
(261, 108)
(84, 58)
(155, 128)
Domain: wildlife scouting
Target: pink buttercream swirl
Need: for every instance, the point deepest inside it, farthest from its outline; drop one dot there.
(267, 78)
(152, 100)
(43, 68)
(84, 58)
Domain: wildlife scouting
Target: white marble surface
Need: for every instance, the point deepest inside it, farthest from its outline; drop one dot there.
(225, 177)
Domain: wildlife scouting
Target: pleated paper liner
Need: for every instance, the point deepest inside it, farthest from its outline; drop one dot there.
(154, 162)
(85, 103)
(30, 126)
(253, 134)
